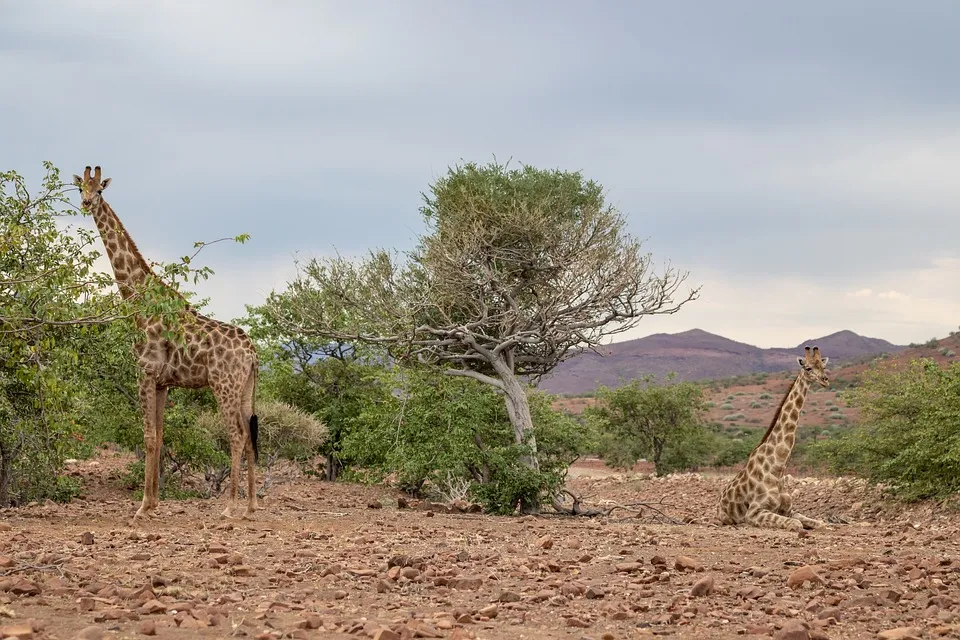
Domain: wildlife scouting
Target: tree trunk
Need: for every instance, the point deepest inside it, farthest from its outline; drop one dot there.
(6, 470)
(518, 410)
(657, 453)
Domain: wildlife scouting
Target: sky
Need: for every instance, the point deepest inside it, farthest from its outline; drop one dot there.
(800, 160)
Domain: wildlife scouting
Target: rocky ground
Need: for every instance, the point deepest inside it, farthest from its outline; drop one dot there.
(345, 561)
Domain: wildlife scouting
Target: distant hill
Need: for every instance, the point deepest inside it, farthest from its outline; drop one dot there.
(697, 355)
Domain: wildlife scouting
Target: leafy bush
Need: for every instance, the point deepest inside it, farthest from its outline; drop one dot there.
(764, 396)
(909, 436)
(435, 431)
(727, 406)
(755, 405)
(734, 417)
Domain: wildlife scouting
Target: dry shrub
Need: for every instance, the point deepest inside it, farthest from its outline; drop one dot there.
(285, 431)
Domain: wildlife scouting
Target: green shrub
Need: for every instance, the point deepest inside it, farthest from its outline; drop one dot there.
(727, 406)
(764, 396)
(734, 416)
(909, 436)
(755, 405)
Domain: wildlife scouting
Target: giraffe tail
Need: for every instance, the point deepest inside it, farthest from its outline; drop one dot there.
(254, 422)
(254, 432)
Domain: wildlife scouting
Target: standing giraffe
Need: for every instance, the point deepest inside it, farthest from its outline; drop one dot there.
(214, 354)
(757, 494)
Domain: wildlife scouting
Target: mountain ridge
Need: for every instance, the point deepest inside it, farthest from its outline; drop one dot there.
(697, 354)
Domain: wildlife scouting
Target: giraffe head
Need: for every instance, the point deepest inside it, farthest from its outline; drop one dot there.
(91, 187)
(814, 366)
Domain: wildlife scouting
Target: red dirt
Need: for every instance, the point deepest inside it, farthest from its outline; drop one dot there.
(314, 564)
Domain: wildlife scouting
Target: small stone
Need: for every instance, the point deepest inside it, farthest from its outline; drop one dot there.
(6, 562)
(24, 587)
(340, 594)
(658, 561)
(685, 563)
(577, 622)
(147, 628)
(21, 630)
(383, 586)
(86, 538)
(594, 592)
(489, 611)
(90, 633)
(386, 634)
(153, 606)
(508, 596)
(242, 571)
(465, 582)
(628, 567)
(702, 587)
(793, 630)
(803, 575)
(546, 542)
(312, 621)
(900, 633)
(410, 573)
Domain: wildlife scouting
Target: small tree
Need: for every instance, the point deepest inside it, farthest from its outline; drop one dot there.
(662, 423)
(518, 271)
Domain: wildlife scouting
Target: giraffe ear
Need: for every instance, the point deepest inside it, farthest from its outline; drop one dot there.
(802, 363)
(824, 361)
(104, 183)
(77, 181)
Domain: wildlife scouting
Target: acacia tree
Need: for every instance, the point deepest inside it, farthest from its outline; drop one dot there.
(519, 269)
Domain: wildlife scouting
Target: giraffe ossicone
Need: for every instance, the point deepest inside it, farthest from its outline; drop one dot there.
(212, 354)
(757, 495)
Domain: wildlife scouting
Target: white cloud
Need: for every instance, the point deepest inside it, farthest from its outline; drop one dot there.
(861, 293)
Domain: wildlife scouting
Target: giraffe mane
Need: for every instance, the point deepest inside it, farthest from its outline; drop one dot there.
(776, 415)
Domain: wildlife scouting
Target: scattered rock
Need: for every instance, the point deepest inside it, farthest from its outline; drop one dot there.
(546, 542)
(147, 628)
(793, 630)
(508, 596)
(21, 630)
(90, 633)
(86, 538)
(386, 634)
(702, 587)
(900, 633)
(803, 575)
(577, 622)
(489, 611)
(686, 563)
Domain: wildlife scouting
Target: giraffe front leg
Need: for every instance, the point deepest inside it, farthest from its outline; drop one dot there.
(152, 441)
(236, 455)
(768, 519)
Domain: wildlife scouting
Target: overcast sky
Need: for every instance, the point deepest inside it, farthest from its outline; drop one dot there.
(801, 159)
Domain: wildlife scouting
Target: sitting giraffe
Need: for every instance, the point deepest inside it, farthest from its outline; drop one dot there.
(216, 355)
(757, 494)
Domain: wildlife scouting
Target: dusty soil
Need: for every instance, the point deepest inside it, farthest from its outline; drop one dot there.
(343, 561)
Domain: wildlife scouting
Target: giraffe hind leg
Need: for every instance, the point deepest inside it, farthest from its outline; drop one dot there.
(768, 519)
(808, 523)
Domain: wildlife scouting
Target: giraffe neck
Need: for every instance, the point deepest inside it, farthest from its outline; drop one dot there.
(129, 267)
(783, 431)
